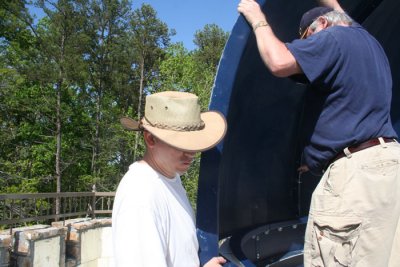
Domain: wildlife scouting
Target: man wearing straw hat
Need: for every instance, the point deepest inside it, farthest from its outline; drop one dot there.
(152, 220)
(354, 217)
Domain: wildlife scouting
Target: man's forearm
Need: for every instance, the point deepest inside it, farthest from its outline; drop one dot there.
(275, 54)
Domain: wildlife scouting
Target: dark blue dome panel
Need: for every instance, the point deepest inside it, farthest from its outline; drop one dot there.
(249, 184)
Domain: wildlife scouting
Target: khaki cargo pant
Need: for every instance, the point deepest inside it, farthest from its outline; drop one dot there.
(355, 211)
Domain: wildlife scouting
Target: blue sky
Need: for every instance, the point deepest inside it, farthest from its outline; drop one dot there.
(188, 16)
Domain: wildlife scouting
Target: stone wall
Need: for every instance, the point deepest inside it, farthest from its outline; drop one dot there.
(78, 242)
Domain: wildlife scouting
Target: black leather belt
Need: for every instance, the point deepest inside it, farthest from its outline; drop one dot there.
(361, 146)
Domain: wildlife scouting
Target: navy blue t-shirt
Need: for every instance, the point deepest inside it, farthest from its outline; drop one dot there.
(351, 69)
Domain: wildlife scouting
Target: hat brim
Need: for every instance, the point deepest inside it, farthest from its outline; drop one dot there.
(193, 141)
(129, 124)
(303, 34)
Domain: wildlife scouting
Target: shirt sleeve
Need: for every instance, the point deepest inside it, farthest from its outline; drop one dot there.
(317, 56)
(138, 237)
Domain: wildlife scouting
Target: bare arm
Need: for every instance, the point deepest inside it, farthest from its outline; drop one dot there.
(273, 52)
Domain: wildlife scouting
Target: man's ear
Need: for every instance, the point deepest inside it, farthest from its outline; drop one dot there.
(324, 22)
(149, 138)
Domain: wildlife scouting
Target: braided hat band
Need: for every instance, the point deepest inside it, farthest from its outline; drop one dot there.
(181, 128)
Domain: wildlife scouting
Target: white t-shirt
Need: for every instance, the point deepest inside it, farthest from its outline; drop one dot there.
(152, 221)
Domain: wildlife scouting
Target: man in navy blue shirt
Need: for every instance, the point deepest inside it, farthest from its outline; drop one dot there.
(355, 209)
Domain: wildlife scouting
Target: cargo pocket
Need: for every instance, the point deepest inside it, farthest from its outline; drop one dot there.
(334, 240)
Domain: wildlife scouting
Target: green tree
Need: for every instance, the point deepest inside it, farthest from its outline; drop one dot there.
(15, 21)
(149, 38)
(106, 24)
(210, 41)
(20, 132)
(60, 40)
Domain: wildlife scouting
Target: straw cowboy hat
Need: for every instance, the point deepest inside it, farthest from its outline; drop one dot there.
(175, 118)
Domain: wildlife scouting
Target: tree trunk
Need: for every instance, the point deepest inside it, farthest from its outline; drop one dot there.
(96, 145)
(58, 145)
(139, 109)
(58, 124)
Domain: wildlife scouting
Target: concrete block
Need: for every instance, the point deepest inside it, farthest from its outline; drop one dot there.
(88, 242)
(38, 246)
(5, 247)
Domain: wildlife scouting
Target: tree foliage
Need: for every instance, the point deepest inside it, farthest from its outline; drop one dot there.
(210, 41)
(66, 79)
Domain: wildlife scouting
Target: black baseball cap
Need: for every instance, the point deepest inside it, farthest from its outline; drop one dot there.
(310, 16)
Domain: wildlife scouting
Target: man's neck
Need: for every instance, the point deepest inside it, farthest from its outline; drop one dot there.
(149, 159)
